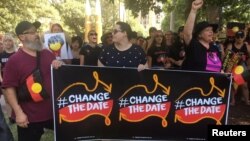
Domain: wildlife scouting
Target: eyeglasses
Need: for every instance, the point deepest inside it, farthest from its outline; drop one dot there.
(116, 31)
(93, 34)
(30, 32)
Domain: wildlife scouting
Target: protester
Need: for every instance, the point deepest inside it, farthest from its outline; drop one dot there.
(177, 51)
(158, 53)
(140, 41)
(242, 50)
(123, 53)
(28, 96)
(67, 55)
(89, 52)
(200, 54)
(5, 133)
(9, 48)
(149, 40)
(76, 44)
(106, 39)
(1, 46)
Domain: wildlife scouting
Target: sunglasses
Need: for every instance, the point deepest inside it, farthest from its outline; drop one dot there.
(93, 34)
(239, 36)
(116, 31)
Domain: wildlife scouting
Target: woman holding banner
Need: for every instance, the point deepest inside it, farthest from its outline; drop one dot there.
(123, 53)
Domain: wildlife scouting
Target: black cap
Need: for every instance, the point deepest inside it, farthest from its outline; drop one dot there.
(37, 24)
(215, 27)
(202, 25)
(25, 25)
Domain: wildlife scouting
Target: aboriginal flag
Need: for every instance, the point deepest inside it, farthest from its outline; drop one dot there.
(240, 74)
(32, 89)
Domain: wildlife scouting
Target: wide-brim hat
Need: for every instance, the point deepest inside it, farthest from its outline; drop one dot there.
(202, 25)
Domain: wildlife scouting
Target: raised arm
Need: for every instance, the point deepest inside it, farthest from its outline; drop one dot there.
(189, 25)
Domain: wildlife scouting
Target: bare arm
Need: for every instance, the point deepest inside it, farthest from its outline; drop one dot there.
(222, 51)
(229, 47)
(1, 77)
(81, 59)
(248, 51)
(142, 66)
(100, 64)
(189, 25)
(21, 117)
(149, 61)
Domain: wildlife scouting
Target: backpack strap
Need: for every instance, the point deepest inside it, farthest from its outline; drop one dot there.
(37, 60)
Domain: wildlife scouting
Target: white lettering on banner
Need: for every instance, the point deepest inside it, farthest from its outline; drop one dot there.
(203, 101)
(80, 107)
(202, 110)
(148, 99)
(77, 98)
(147, 108)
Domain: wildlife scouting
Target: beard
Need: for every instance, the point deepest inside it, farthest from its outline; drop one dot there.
(36, 45)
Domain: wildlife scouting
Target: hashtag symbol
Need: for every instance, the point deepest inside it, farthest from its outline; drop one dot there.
(179, 104)
(62, 102)
(123, 102)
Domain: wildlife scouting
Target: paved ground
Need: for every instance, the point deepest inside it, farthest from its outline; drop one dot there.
(239, 114)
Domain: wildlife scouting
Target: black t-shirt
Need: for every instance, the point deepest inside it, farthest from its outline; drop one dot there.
(175, 50)
(75, 61)
(242, 51)
(4, 56)
(131, 57)
(198, 58)
(91, 54)
(158, 55)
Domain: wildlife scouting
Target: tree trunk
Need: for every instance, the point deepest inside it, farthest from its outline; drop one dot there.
(213, 13)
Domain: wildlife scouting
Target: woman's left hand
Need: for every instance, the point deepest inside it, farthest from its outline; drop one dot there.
(142, 67)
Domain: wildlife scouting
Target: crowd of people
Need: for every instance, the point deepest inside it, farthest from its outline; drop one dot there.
(194, 47)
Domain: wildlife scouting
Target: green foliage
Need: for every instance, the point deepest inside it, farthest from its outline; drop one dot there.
(109, 15)
(232, 10)
(69, 13)
(12, 12)
(72, 14)
(143, 6)
(179, 7)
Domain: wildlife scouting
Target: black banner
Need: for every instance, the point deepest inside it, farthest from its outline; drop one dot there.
(122, 103)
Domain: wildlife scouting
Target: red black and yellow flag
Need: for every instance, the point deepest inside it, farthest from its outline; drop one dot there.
(240, 74)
